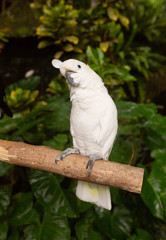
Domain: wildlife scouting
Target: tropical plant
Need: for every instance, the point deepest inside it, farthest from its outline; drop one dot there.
(40, 205)
(124, 42)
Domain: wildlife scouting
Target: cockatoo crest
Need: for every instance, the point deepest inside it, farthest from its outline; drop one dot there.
(77, 73)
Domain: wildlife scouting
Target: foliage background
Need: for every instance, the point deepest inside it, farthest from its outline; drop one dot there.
(124, 41)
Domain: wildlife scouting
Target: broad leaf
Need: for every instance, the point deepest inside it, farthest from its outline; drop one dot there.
(116, 224)
(49, 193)
(154, 188)
(121, 223)
(3, 231)
(58, 142)
(21, 211)
(5, 193)
(14, 234)
(28, 83)
(4, 167)
(134, 110)
(113, 13)
(84, 228)
(52, 227)
(58, 120)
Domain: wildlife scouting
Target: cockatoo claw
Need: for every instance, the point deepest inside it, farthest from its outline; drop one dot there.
(91, 162)
(67, 152)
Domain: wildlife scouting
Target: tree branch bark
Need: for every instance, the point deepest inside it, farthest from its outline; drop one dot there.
(108, 173)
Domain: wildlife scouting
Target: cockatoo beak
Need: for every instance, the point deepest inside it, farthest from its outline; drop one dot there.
(69, 79)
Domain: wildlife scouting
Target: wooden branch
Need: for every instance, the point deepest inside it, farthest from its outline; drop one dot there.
(108, 173)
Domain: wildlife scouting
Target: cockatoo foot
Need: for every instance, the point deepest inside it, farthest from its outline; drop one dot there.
(66, 153)
(90, 163)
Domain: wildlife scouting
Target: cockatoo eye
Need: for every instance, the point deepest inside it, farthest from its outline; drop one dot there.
(78, 66)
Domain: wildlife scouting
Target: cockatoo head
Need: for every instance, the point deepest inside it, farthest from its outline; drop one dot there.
(76, 72)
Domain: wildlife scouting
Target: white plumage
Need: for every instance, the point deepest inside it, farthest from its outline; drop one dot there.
(93, 122)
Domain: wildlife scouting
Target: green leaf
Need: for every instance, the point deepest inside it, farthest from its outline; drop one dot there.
(160, 156)
(50, 195)
(154, 189)
(152, 200)
(124, 20)
(121, 152)
(61, 231)
(157, 123)
(5, 193)
(21, 211)
(104, 46)
(135, 110)
(120, 41)
(113, 13)
(58, 54)
(4, 168)
(73, 39)
(84, 227)
(156, 129)
(14, 234)
(33, 232)
(44, 43)
(143, 234)
(121, 223)
(68, 47)
(58, 142)
(26, 84)
(3, 231)
(59, 119)
(114, 225)
(52, 228)
(103, 221)
(95, 56)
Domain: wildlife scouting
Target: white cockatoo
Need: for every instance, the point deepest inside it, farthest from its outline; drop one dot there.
(93, 124)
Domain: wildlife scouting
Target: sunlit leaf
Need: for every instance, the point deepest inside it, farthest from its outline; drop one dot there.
(58, 54)
(44, 43)
(104, 46)
(72, 39)
(71, 23)
(29, 84)
(68, 47)
(77, 49)
(124, 20)
(113, 13)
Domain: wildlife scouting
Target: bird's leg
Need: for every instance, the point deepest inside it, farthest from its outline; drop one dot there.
(90, 163)
(66, 153)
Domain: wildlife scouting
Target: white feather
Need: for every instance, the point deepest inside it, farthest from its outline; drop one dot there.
(56, 63)
(97, 194)
(93, 124)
